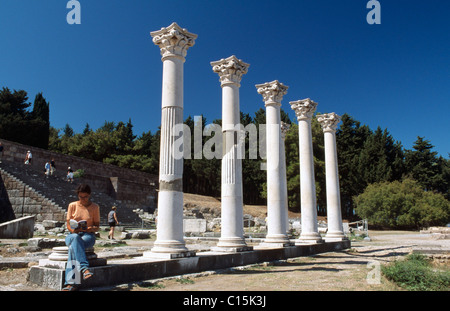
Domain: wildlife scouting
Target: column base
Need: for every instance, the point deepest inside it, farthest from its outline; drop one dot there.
(231, 249)
(59, 256)
(335, 237)
(169, 250)
(264, 245)
(231, 245)
(309, 238)
(152, 254)
(61, 253)
(277, 241)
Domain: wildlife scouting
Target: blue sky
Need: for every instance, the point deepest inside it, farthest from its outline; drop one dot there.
(395, 75)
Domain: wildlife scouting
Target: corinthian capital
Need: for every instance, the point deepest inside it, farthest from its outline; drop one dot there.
(272, 92)
(304, 108)
(230, 70)
(173, 40)
(329, 121)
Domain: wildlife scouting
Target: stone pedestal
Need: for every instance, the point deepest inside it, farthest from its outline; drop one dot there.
(335, 230)
(174, 43)
(230, 71)
(304, 110)
(58, 258)
(273, 93)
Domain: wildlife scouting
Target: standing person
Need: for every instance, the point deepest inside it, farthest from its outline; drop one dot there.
(82, 236)
(52, 167)
(1, 152)
(112, 221)
(47, 169)
(28, 157)
(69, 174)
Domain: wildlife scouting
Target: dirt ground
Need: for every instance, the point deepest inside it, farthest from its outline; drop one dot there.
(355, 269)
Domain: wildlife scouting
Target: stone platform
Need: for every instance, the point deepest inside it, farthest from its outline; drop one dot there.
(122, 271)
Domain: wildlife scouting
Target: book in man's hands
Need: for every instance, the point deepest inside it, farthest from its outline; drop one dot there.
(82, 224)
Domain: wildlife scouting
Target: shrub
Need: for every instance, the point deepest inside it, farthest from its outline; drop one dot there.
(402, 205)
(78, 173)
(415, 273)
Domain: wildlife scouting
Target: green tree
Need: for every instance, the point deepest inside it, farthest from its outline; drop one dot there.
(381, 159)
(68, 131)
(423, 164)
(40, 122)
(350, 139)
(87, 130)
(54, 141)
(124, 138)
(13, 103)
(18, 124)
(402, 205)
(253, 177)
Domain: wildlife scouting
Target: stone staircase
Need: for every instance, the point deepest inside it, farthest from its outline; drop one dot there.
(31, 192)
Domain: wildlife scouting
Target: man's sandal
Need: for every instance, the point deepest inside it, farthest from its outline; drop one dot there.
(87, 274)
(69, 288)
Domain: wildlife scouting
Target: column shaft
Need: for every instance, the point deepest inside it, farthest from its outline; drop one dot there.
(174, 42)
(272, 93)
(304, 110)
(284, 129)
(232, 238)
(276, 186)
(310, 230)
(335, 230)
(231, 192)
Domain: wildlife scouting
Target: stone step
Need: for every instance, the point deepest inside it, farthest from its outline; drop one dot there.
(54, 192)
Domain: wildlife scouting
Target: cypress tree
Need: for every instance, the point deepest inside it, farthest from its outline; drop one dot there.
(40, 122)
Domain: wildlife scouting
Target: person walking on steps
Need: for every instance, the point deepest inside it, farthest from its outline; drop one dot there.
(83, 220)
(47, 169)
(112, 221)
(69, 174)
(28, 157)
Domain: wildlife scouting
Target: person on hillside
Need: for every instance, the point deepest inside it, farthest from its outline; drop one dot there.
(69, 174)
(28, 157)
(83, 220)
(52, 167)
(47, 169)
(112, 221)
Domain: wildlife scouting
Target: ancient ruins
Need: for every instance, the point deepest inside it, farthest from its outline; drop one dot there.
(174, 42)
(169, 255)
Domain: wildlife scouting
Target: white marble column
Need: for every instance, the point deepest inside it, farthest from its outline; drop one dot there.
(273, 93)
(304, 110)
(335, 230)
(284, 129)
(174, 42)
(230, 71)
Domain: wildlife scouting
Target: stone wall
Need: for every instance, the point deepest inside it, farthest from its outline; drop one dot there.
(6, 210)
(120, 183)
(21, 228)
